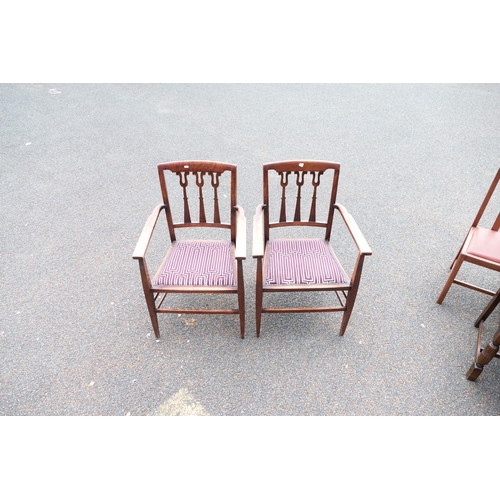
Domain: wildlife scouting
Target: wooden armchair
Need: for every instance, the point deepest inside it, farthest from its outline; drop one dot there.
(303, 265)
(480, 247)
(196, 266)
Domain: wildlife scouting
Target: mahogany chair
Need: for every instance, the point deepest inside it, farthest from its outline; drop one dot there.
(304, 265)
(480, 247)
(196, 266)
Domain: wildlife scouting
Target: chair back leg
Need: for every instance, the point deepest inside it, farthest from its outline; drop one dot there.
(490, 307)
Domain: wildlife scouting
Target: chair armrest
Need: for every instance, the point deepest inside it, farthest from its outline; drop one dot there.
(147, 232)
(258, 232)
(353, 228)
(240, 251)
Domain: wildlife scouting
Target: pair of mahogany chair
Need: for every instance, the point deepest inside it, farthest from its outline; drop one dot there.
(216, 266)
(482, 248)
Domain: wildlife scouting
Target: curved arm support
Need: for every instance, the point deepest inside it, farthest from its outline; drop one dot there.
(147, 232)
(353, 228)
(241, 234)
(258, 232)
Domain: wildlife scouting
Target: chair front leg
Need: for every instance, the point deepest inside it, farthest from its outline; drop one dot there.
(148, 294)
(351, 296)
(258, 295)
(451, 277)
(241, 297)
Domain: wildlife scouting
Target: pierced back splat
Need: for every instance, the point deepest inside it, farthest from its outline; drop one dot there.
(199, 182)
(183, 181)
(215, 184)
(284, 184)
(300, 183)
(315, 182)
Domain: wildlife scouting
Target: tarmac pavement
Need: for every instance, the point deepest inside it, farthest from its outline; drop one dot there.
(78, 180)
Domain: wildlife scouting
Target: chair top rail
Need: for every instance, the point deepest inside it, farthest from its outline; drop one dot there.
(304, 165)
(196, 166)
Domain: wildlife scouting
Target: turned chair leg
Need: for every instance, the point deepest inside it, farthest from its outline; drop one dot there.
(485, 356)
(451, 278)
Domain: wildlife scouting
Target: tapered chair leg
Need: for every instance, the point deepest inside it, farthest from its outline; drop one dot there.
(351, 296)
(258, 312)
(150, 301)
(451, 277)
(152, 313)
(258, 295)
(241, 299)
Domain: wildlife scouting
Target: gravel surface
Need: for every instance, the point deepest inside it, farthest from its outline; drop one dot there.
(78, 181)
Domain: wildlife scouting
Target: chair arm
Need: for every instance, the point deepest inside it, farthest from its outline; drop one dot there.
(147, 232)
(240, 251)
(353, 228)
(258, 232)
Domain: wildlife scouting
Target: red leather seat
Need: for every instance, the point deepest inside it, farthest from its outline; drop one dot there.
(485, 244)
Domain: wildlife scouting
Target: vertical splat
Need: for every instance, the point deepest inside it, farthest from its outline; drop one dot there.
(284, 184)
(199, 182)
(315, 182)
(215, 184)
(183, 181)
(300, 183)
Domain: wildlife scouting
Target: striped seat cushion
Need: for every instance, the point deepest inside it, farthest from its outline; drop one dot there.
(198, 263)
(302, 262)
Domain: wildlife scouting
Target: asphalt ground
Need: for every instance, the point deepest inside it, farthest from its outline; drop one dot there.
(78, 181)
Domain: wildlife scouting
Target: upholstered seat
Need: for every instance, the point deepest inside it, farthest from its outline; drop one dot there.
(485, 244)
(198, 263)
(302, 262)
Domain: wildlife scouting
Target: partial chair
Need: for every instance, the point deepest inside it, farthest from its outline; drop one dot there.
(480, 247)
(304, 265)
(196, 266)
(486, 354)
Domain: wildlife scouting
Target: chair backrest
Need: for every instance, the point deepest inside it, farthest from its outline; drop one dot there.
(203, 175)
(487, 198)
(302, 171)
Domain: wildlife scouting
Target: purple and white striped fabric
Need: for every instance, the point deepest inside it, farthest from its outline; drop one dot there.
(198, 263)
(302, 262)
